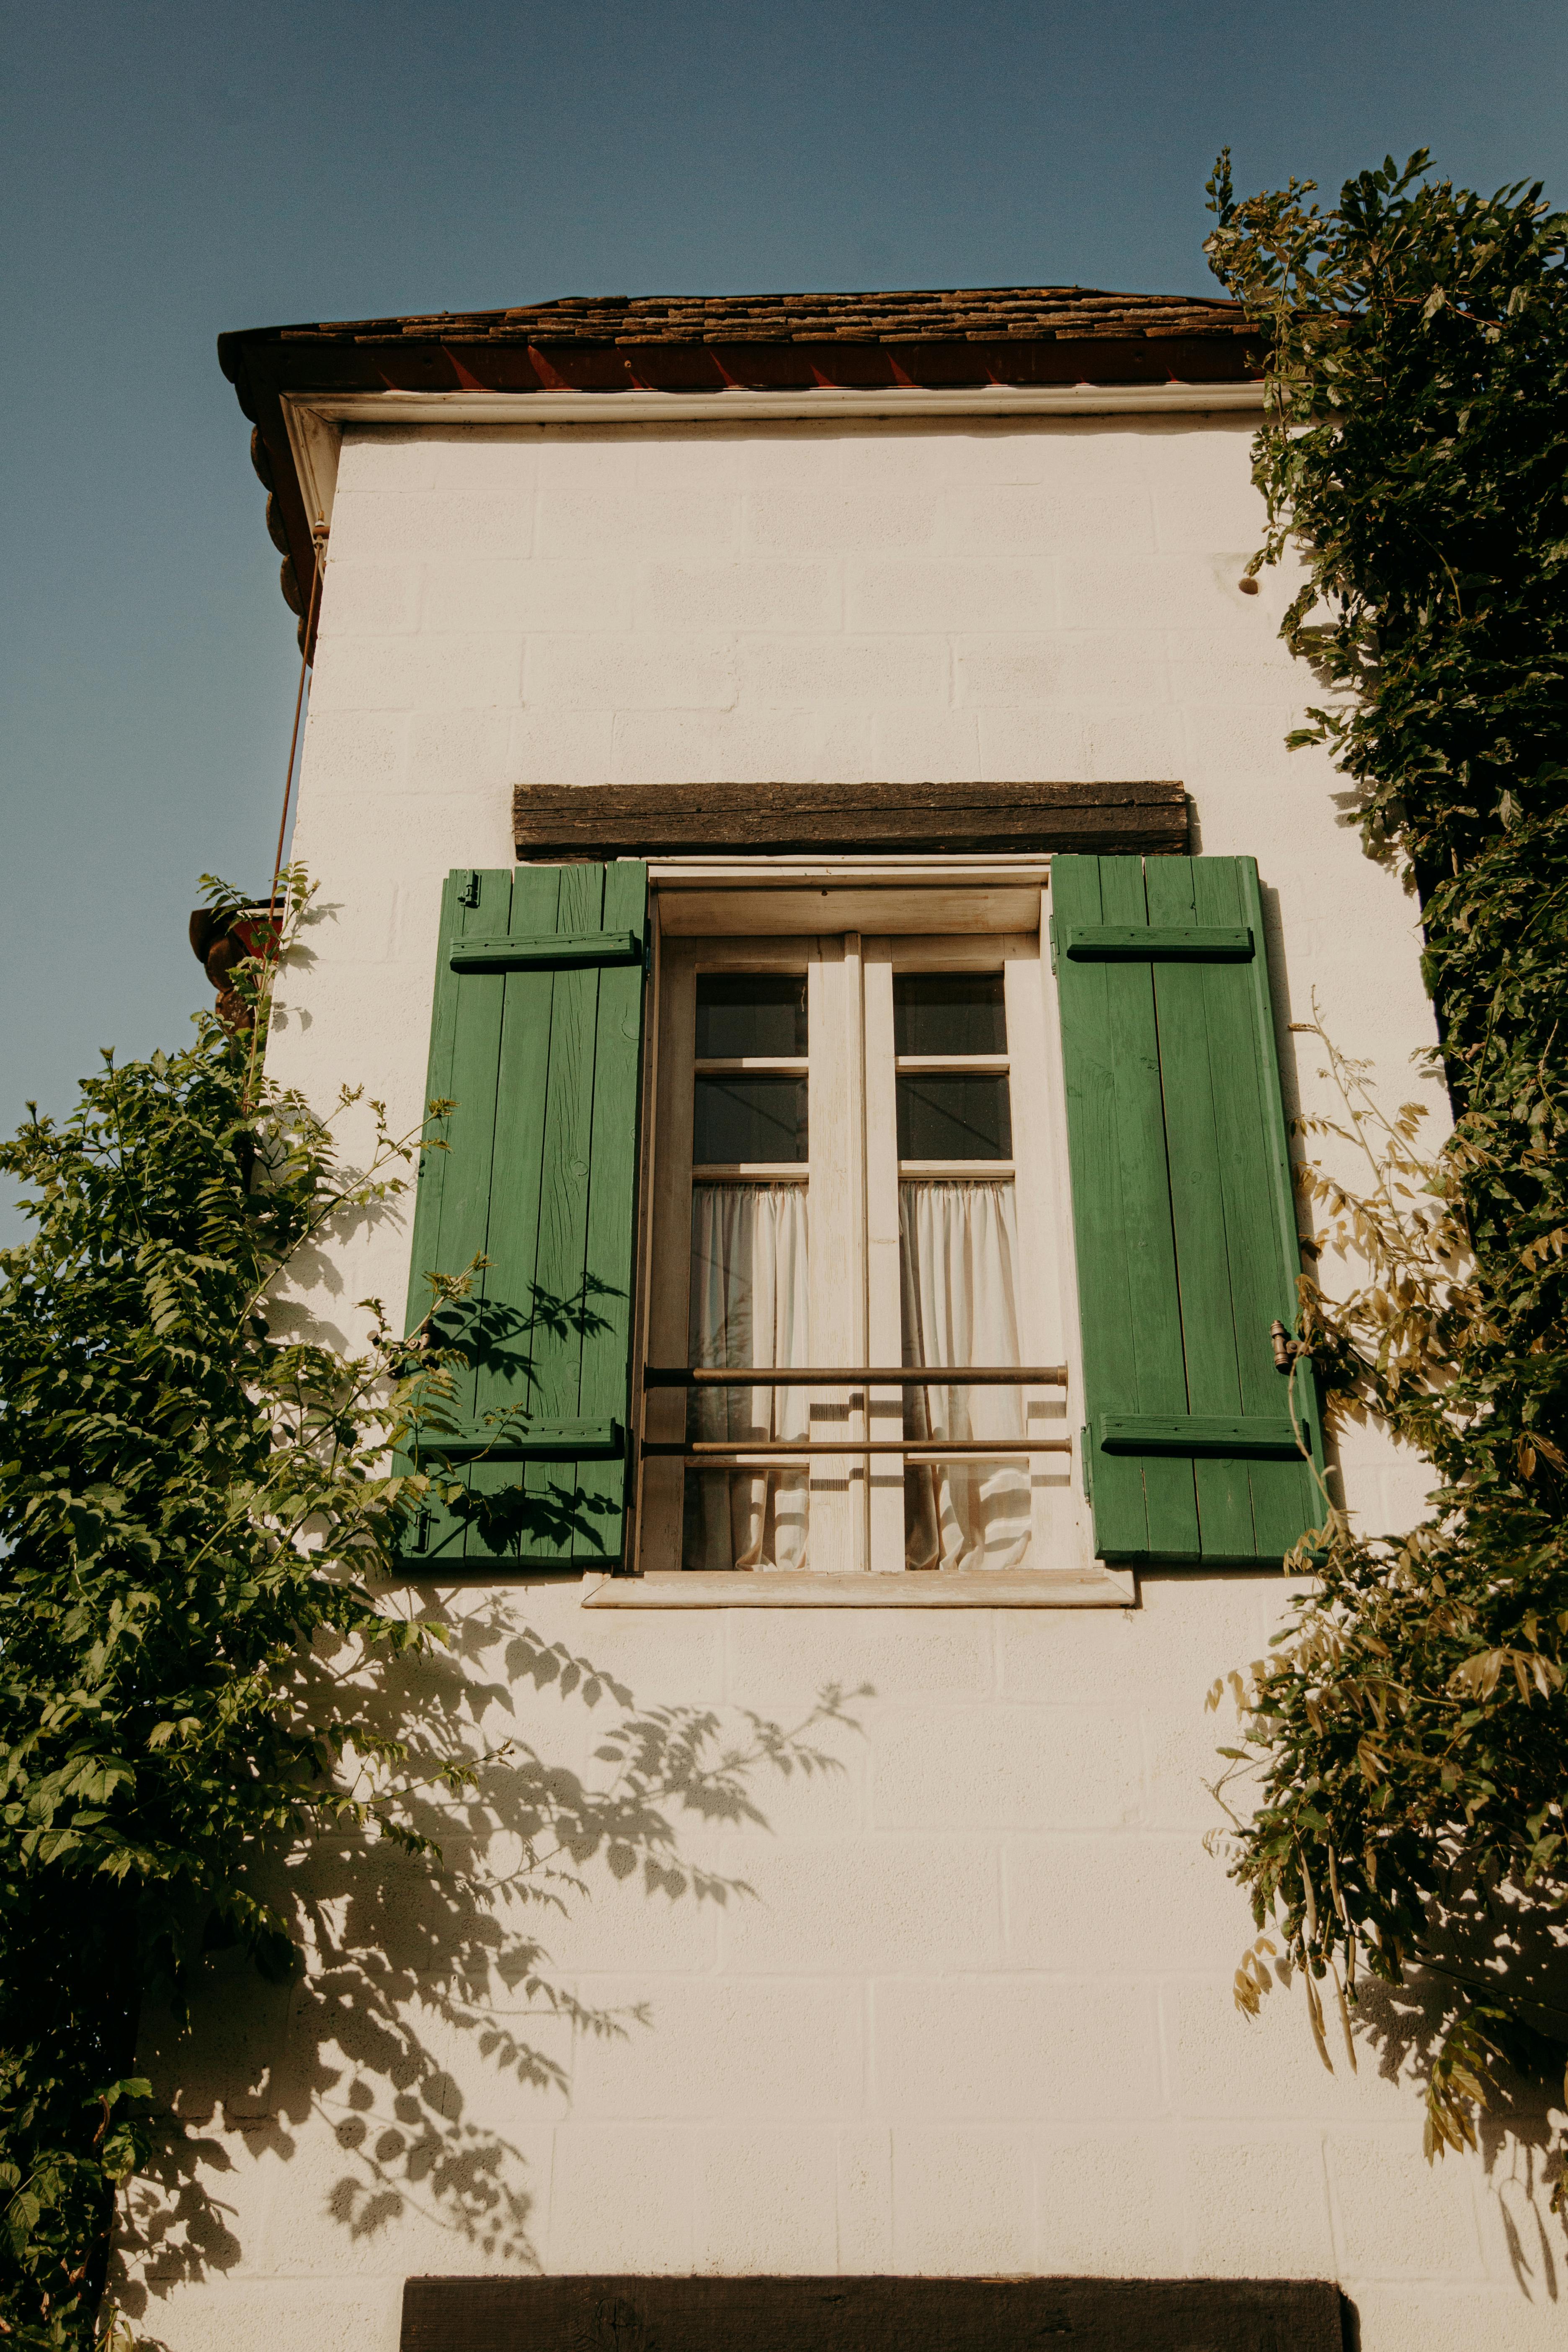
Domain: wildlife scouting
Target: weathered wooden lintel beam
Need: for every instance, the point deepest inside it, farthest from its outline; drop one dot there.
(869, 2315)
(595, 821)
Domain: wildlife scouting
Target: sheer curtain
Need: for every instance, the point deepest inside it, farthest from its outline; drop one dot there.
(748, 1306)
(958, 1253)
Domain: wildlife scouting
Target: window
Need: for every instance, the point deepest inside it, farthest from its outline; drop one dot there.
(854, 1166)
(739, 1157)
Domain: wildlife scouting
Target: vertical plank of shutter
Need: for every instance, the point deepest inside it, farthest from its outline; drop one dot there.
(1212, 1218)
(605, 1390)
(518, 1189)
(1129, 1305)
(509, 1377)
(1105, 1306)
(505, 1382)
(452, 1216)
(1147, 1239)
(1259, 1213)
(430, 1185)
(561, 1306)
(441, 1532)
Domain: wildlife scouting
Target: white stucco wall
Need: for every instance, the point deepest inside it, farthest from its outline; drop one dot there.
(976, 2015)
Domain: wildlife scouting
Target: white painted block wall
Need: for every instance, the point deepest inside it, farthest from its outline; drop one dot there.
(975, 2014)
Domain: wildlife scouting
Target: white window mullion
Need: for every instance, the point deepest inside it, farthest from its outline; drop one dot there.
(664, 1410)
(884, 1319)
(857, 1265)
(837, 1281)
(1059, 1537)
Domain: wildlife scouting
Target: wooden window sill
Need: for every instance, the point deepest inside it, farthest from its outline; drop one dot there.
(743, 1588)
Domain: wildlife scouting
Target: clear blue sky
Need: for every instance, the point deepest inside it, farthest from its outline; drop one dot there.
(177, 168)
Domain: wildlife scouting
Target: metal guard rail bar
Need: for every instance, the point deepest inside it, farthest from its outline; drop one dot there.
(925, 1449)
(924, 1376)
(893, 1376)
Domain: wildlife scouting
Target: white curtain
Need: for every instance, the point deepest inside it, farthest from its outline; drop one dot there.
(748, 1306)
(958, 1254)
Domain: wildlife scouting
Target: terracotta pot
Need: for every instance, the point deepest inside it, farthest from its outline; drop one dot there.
(219, 940)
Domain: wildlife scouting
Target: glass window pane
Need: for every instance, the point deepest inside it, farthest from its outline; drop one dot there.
(744, 1012)
(954, 1115)
(949, 1012)
(760, 1116)
(958, 1251)
(750, 1304)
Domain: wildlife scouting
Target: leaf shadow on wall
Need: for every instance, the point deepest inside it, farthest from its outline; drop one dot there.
(429, 2016)
(547, 1512)
(1470, 1938)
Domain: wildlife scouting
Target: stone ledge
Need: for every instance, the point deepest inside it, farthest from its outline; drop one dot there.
(781, 1589)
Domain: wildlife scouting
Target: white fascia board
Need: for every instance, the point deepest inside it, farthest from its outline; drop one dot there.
(315, 420)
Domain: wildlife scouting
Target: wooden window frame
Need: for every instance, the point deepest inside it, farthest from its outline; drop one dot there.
(876, 914)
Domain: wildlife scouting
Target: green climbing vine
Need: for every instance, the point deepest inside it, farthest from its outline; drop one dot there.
(1405, 1743)
(206, 1655)
(189, 1511)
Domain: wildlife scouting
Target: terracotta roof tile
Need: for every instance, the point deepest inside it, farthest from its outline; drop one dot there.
(917, 315)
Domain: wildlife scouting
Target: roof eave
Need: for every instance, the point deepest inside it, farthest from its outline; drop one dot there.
(263, 365)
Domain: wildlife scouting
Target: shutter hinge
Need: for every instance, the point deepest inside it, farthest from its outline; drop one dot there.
(1286, 1351)
(469, 895)
(1053, 940)
(1087, 1460)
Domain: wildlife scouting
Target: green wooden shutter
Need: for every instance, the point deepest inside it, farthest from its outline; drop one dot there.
(536, 1038)
(1182, 1212)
